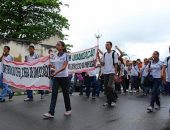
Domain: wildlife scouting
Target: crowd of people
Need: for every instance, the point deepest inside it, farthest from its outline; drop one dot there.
(113, 76)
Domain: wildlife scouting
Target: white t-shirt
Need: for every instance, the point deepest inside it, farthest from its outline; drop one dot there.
(31, 57)
(7, 58)
(156, 69)
(127, 70)
(94, 72)
(59, 62)
(108, 63)
(122, 67)
(145, 69)
(134, 71)
(167, 69)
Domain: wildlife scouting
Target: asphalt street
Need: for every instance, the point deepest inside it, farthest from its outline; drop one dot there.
(87, 114)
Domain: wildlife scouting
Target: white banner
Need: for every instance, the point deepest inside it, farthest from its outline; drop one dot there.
(82, 61)
(28, 75)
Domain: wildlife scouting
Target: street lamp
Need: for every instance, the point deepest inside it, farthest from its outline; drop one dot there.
(98, 36)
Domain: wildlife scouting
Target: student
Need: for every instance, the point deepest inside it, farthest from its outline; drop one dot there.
(109, 62)
(127, 74)
(60, 79)
(166, 73)
(92, 83)
(144, 74)
(122, 75)
(155, 70)
(80, 78)
(134, 77)
(32, 56)
(5, 87)
(134, 73)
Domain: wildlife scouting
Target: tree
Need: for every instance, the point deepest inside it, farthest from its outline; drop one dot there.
(31, 20)
(68, 47)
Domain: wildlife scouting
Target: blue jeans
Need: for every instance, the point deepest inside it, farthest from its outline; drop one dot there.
(155, 92)
(91, 83)
(30, 93)
(5, 88)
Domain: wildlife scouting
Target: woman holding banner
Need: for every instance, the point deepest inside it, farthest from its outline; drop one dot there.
(60, 78)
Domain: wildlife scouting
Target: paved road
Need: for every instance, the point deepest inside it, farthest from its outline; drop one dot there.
(129, 114)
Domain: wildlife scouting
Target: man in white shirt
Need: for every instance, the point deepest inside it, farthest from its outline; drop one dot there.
(5, 87)
(109, 62)
(32, 56)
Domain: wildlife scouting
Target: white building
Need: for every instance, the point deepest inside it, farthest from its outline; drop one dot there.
(20, 49)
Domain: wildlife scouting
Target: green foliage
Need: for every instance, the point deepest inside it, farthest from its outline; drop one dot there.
(68, 47)
(32, 20)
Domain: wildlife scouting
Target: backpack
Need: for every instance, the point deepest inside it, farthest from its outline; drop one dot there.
(113, 53)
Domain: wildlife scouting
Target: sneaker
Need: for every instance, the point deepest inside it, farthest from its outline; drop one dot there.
(11, 95)
(28, 100)
(113, 104)
(157, 107)
(105, 104)
(134, 91)
(42, 97)
(130, 91)
(48, 115)
(67, 113)
(150, 109)
(2, 100)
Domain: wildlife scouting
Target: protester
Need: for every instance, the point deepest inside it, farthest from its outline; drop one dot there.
(134, 77)
(80, 78)
(166, 73)
(144, 73)
(155, 70)
(109, 62)
(127, 74)
(31, 57)
(60, 80)
(75, 78)
(122, 75)
(100, 81)
(140, 65)
(5, 87)
(92, 83)
(117, 83)
(70, 76)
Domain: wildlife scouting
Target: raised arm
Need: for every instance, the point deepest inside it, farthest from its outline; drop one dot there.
(98, 56)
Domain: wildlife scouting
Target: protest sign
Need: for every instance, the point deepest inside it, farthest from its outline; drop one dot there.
(28, 75)
(83, 60)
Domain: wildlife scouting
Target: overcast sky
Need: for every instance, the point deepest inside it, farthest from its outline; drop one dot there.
(138, 27)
